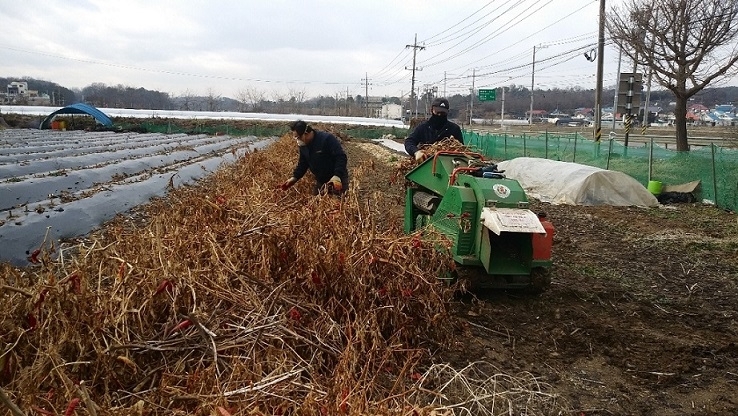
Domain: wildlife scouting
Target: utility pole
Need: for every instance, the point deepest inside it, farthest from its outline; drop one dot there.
(532, 85)
(532, 82)
(644, 126)
(600, 64)
(502, 115)
(471, 97)
(617, 90)
(417, 100)
(412, 87)
(429, 94)
(444, 84)
(648, 97)
(628, 102)
(366, 96)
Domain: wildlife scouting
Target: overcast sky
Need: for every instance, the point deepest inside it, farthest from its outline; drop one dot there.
(311, 47)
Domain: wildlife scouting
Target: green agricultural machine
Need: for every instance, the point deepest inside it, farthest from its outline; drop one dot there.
(495, 238)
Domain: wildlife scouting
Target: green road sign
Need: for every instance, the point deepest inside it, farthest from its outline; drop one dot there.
(487, 95)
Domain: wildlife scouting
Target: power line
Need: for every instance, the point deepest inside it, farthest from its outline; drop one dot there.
(455, 25)
(188, 74)
(520, 41)
(366, 95)
(564, 55)
(471, 28)
(389, 65)
(442, 59)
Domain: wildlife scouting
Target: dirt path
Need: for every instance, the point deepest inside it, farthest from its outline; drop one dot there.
(640, 317)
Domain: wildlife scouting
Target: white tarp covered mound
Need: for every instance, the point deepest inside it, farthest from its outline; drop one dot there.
(574, 184)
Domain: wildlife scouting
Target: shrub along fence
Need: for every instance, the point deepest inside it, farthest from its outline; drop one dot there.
(714, 166)
(205, 127)
(248, 128)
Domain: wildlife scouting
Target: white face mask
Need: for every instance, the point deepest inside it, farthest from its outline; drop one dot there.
(301, 143)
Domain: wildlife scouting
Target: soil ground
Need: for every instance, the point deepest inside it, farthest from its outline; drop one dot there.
(640, 317)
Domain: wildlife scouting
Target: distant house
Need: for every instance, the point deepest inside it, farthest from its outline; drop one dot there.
(17, 88)
(724, 109)
(558, 113)
(583, 112)
(17, 92)
(654, 114)
(538, 115)
(697, 112)
(697, 109)
(374, 105)
(391, 111)
(724, 114)
(707, 117)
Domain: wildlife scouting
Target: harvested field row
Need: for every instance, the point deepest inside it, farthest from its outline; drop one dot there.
(56, 185)
(232, 298)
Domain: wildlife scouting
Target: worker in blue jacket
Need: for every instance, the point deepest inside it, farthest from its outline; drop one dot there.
(433, 130)
(322, 153)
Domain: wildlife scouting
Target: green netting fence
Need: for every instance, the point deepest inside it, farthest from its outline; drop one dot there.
(715, 167)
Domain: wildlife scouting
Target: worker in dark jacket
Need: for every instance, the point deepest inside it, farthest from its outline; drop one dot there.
(322, 153)
(433, 130)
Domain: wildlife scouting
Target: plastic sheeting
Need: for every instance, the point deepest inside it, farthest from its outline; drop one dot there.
(211, 115)
(574, 184)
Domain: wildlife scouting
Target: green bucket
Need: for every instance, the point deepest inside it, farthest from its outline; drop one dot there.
(655, 187)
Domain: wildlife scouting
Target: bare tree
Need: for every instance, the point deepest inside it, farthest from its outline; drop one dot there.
(242, 96)
(214, 100)
(257, 98)
(297, 98)
(687, 44)
(188, 100)
(279, 100)
(337, 98)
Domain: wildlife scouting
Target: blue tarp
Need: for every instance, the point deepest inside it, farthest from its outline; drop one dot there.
(79, 108)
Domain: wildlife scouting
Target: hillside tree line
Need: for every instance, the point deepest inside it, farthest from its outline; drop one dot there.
(517, 100)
